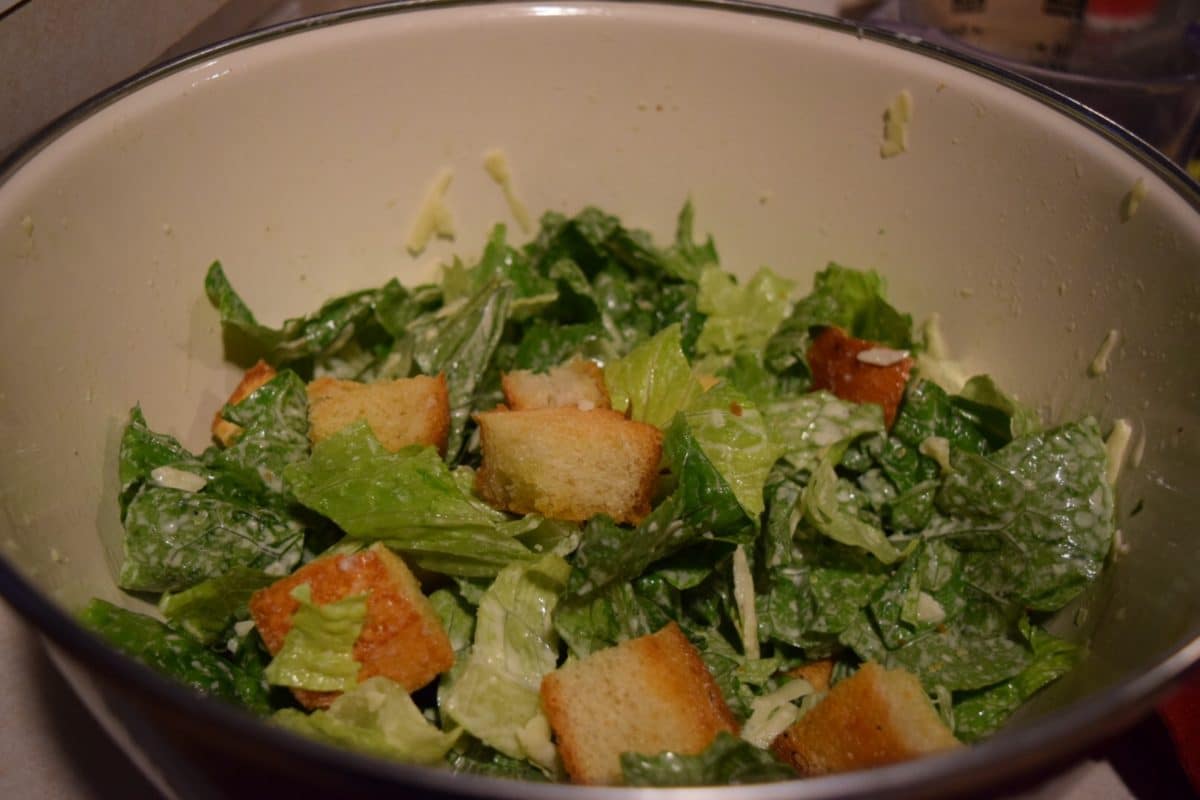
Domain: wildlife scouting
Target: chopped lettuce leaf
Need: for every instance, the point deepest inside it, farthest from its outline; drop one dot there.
(848, 298)
(977, 714)
(740, 318)
(175, 539)
(457, 618)
(1035, 519)
(828, 514)
(205, 610)
(376, 717)
(600, 618)
(807, 424)
(409, 499)
(774, 712)
(727, 761)
(735, 438)
(458, 341)
(174, 654)
(999, 415)
(654, 381)
(496, 696)
(687, 258)
(318, 651)
(317, 334)
(274, 420)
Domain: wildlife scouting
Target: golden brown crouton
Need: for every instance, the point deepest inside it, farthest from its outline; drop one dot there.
(872, 718)
(401, 412)
(566, 463)
(402, 637)
(647, 695)
(817, 673)
(255, 377)
(579, 383)
(837, 363)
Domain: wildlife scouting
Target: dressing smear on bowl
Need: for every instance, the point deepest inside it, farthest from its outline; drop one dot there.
(593, 463)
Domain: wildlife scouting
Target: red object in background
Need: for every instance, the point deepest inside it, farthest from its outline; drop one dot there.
(1120, 14)
(1181, 714)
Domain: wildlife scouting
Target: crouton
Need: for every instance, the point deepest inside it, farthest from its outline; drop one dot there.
(874, 717)
(400, 412)
(647, 695)
(579, 383)
(569, 464)
(402, 637)
(817, 673)
(859, 371)
(226, 432)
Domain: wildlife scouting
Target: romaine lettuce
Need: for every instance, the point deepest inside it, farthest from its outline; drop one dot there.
(318, 651)
(376, 717)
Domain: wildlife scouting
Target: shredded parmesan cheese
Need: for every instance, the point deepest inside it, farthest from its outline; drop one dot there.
(433, 217)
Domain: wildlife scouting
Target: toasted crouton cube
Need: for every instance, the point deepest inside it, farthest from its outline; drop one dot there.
(401, 412)
(579, 383)
(874, 717)
(647, 695)
(566, 463)
(402, 637)
(859, 371)
(817, 673)
(257, 376)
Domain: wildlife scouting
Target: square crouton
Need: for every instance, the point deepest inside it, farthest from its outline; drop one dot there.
(256, 377)
(402, 637)
(569, 464)
(874, 717)
(579, 383)
(817, 673)
(647, 695)
(402, 412)
(860, 371)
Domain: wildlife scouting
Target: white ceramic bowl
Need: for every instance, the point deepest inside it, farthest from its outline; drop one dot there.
(299, 156)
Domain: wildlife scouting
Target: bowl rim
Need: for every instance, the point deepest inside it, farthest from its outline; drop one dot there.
(1061, 734)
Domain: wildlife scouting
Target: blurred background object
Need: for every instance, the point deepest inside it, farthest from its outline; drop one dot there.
(1135, 61)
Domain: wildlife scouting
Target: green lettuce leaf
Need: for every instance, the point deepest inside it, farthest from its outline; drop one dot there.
(315, 335)
(459, 341)
(735, 437)
(848, 298)
(1035, 519)
(457, 617)
(999, 415)
(654, 381)
(409, 499)
(687, 258)
(500, 261)
(205, 610)
(274, 419)
(601, 618)
(978, 714)
(472, 757)
(496, 696)
(740, 318)
(174, 654)
(175, 539)
(727, 761)
(807, 424)
(376, 717)
(177, 534)
(318, 651)
(824, 509)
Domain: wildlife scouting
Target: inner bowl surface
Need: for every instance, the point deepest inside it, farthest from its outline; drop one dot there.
(299, 158)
